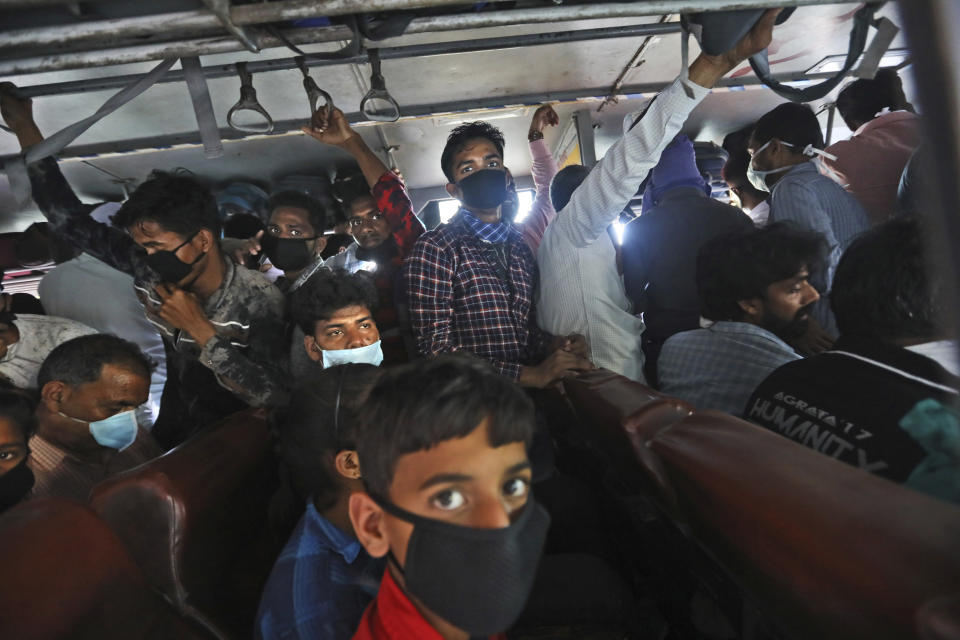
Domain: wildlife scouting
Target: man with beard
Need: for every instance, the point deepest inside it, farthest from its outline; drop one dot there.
(755, 291)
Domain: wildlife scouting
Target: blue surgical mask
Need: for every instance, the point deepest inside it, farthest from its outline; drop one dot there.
(117, 432)
(370, 354)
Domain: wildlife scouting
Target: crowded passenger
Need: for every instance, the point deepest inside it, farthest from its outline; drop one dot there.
(783, 146)
(894, 350)
(755, 291)
(87, 431)
(447, 501)
(755, 203)
(18, 423)
(294, 237)
(381, 221)
(27, 340)
(323, 578)
(222, 325)
(885, 135)
(470, 283)
(335, 312)
(660, 246)
(108, 304)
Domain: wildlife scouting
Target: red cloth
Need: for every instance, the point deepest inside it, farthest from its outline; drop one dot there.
(391, 616)
(871, 162)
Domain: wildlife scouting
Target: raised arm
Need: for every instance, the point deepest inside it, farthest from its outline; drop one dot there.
(543, 169)
(69, 218)
(611, 184)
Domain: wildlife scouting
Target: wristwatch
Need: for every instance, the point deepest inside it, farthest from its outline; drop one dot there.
(535, 135)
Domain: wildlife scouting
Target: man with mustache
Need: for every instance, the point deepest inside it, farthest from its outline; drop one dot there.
(755, 293)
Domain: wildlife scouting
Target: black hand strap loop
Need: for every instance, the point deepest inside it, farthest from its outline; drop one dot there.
(248, 102)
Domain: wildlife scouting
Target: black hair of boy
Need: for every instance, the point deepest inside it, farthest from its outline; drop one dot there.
(460, 136)
(741, 265)
(325, 293)
(178, 203)
(419, 405)
(299, 200)
(19, 407)
(884, 288)
(311, 429)
(81, 360)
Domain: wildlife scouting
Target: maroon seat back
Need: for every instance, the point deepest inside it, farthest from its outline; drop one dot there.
(67, 575)
(825, 550)
(616, 411)
(195, 521)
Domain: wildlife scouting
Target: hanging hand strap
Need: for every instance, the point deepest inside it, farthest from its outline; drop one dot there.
(202, 107)
(17, 167)
(248, 102)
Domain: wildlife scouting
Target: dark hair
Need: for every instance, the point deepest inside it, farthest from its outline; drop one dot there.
(310, 427)
(178, 203)
(860, 100)
(243, 226)
(741, 265)
(460, 136)
(81, 360)
(19, 406)
(790, 122)
(37, 245)
(326, 292)
(883, 287)
(299, 200)
(565, 182)
(735, 173)
(420, 405)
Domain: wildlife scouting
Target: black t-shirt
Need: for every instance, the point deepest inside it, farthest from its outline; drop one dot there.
(848, 402)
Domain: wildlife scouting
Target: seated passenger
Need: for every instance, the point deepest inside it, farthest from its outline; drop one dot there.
(885, 135)
(894, 350)
(17, 424)
(27, 340)
(335, 310)
(323, 579)
(755, 203)
(90, 388)
(470, 282)
(783, 143)
(442, 447)
(294, 237)
(108, 305)
(754, 286)
(382, 223)
(660, 246)
(222, 325)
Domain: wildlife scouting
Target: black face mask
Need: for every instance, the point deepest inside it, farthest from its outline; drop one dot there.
(168, 266)
(476, 579)
(15, 484)
(486, 189)
(286, 254)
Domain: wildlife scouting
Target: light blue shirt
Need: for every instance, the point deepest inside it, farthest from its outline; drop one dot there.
(719, 367)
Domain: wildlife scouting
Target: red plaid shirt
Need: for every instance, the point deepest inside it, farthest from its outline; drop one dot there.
(457, 301)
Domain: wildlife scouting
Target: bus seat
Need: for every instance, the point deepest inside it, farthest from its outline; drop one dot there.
(195, 520)
(67, 575)
(823, 549)
(618, 411)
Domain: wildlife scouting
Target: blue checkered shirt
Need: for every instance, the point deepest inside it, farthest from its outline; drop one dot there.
(496, 232)
(319, 586)
(719, 367)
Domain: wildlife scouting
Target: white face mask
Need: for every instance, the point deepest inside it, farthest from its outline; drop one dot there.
(370, 354)
(758, 178)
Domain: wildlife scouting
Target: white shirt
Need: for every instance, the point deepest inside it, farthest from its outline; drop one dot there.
(92, 292)
(943, 352)
(39, 335)
(580, 289)
(760, 214)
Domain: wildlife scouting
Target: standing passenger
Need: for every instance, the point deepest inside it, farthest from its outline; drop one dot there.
(755, 203)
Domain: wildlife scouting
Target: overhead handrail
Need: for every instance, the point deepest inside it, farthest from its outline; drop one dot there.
(314, 92)
(378, 104)
(248, 102)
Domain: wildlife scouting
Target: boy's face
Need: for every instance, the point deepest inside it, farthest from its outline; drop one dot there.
(347, 328)
(464, 482)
